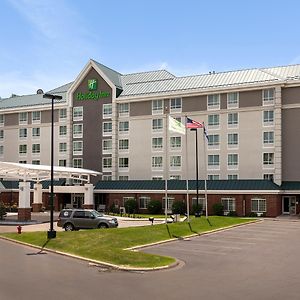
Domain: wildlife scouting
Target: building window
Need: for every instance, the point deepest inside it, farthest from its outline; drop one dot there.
(123, 177)
(268, 158)
(23, 117)
(78, 113)
(124, 109)
(268, 117)
(201, 202)
(62, 130)
(157, 143)
(107, 162)
(232, 160)
(157, 107)
(22, 161)
(175, 142)
(1, 120)
(268, 137)
(170, 202)
(62, 162)
(269, 177)
(77, 147)
(23, 133)
(258, 205)
(232, 120)
(77, 162)
(107, 111)
(213, 160)
(106, 177)
(36, 117)
(157, 124)
(213, 176)
(36, 132)
(123, 162)
(107, 145)
(175, 161)
(232, 177)
(36, 148)
(36, 162)
(62, 147)
(107, 128)
(268, 96)
(22, 149)
(1, 134)
(232, 140)
(123, 126)
(62, 114)
(124, 144)
(157, 177)
(228, 204)
(157, 162)
(213, 141)
(175, 105)
(143, 202)
(77, 130)
(175, 177)
(213, 101)
(233, 100)
(213, 121)
(1, 150)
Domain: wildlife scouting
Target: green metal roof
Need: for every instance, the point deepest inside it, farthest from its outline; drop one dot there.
(290, 185)
(14, 184)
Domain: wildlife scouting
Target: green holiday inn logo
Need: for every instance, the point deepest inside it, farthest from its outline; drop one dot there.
(92, 84)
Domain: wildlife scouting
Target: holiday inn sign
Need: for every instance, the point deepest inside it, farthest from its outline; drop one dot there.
(93, 94)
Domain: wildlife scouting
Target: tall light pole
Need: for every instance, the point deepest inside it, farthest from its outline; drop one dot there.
(52, 233)
(197, 166)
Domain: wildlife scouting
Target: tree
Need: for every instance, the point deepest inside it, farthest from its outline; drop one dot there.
(2, 211)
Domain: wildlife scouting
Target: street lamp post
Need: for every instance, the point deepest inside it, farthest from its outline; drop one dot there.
(197, 166)
(52, 233)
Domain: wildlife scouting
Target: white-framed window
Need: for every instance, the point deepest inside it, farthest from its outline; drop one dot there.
(1, 150)
(157, 125)
(157, 143)
(157, 162)
(1, 135)
(62, 147)
(22, 161)
(1, 120)
(77, 130)
(213, 160)
(268, 159)
(123, 162)
(36, 117)
(62, 130)
(124, 144)
(268, 96)
(22, 133)
(268, 117)
(123, 126)
(232, 140)
(107, 110)
(232, 120)
(213, 141)
(232, 161)
(213, 121)
(232, 177)
(107, 162)
(157, 107)
(144, 201)
(106, 177)
(62, 114)
(233, 100)
(124, 177)
(22, 150)
(36, 162)
(157, 177)
(258, 205)
(36, 132)
(62, 162)
(123, 109)
(175, 161)
(77, 163)
(78, 113)
(170, 202)
(213, 176)
(175, 177)
(77, 147)
(175, 105)
(201, 202)
(36, 148)
(268, 138)
(213, 101)
(23, 118)
(268, 176)
(175, 142)
(228, 204)
(107, 128)
(107, 145)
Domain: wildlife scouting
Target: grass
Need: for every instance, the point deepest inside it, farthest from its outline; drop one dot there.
(109, 245)
(139, 216)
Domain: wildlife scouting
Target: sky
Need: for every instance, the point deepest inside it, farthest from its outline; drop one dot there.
(46, 43)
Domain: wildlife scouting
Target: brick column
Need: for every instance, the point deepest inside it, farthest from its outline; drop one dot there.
(24, 209)
(37, 198)
(88, 196)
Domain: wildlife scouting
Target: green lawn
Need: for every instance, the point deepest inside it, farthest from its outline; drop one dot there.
(108, 245)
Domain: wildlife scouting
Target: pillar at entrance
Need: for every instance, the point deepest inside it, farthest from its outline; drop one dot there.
(88, 196)
(24, 209)
(37, 197)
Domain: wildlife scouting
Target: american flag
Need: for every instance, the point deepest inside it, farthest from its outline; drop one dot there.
(193, 124)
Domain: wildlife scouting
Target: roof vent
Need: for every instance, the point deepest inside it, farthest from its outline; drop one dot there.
(40, 91)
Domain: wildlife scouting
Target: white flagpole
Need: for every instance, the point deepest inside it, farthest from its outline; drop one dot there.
(187, 178)
(166, 167)
(205, 173)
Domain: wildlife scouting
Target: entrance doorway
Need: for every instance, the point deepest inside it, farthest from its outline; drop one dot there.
(77, 200)
(289, 205)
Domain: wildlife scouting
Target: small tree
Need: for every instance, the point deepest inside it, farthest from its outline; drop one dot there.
(154, 207)
(196, 209)
(218, 209)
(2, 211)
(131, 206)
(178, 207)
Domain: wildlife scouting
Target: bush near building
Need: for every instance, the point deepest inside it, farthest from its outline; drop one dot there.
(218, 209)
(179, 207)
(154, 207)
(2, 211)
(131, 206)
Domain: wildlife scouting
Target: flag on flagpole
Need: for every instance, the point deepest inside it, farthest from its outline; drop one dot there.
(205, 132)
(176, 126)
(192, 123)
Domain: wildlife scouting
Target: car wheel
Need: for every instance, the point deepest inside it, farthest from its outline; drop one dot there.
(102, 225)
(69, 227)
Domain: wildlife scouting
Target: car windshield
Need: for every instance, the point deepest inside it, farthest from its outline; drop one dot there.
(96, 213)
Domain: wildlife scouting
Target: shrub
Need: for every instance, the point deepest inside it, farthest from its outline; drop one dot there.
(154, 207)
(253, 215)
(2, 211)
(218, 209)
(113, 209)
(196, 209)
(131, 206)
(232, 214)
(179, 207)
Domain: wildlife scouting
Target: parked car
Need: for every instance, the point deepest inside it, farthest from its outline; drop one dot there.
(75, 219)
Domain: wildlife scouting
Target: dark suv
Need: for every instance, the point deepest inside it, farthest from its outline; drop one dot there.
(75, 219)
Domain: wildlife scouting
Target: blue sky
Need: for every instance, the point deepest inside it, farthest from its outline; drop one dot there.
(46, 43)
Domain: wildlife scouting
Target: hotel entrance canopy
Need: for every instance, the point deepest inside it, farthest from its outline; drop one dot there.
(29, 172)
